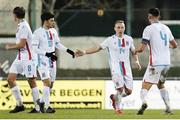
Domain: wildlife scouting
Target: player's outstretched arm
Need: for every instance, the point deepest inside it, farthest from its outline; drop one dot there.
(92, 50)
(20, 45)
(173, 44)
(136, 58)
(140, 48)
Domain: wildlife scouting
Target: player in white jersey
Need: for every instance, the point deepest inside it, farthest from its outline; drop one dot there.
(159, 38)
(24, 63)
(119, 46)
(45, 40)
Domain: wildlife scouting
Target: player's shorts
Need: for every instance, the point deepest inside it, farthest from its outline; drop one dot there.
(47, 69)
(24, 67)
(122, 76)
(155, 73)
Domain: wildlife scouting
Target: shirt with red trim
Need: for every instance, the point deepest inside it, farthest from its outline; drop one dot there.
(119, 49)
(158, 36)
(24, 32)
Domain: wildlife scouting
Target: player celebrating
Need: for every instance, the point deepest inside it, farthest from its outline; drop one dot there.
(118, 46)
(45, 40)
(23, 64)
(159, 38)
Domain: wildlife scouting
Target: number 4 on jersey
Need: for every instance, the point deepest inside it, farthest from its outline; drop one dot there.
(164, 38)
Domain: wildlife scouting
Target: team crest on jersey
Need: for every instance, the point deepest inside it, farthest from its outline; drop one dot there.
(127, 43)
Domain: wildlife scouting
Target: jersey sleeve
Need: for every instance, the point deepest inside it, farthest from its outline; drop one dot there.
(146, 36)
(171, 37)
(58, 44)
(23, 32)
(104, 44)
(36, 43)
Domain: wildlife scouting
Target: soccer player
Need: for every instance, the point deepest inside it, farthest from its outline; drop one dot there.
(159, 38)
(119, 46)
(24, 63)
(45, 40)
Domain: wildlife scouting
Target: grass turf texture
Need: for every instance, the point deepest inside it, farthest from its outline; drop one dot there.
(89, 114)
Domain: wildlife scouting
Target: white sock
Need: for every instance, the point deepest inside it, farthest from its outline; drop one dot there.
(35, 95)
(16, 93)
(46, 96)
(143, 95)
(165, 97)
(118, 98)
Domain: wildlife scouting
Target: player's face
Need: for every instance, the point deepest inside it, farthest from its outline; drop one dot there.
(119, 28)
(51, 23)
(150, 18)
(15, 18)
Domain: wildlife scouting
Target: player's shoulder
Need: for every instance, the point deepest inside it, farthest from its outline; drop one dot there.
(111, 37)
(38, 30)
(53, 30)
(148, 27)
(165, 26)
(127, 37)
(24, 24)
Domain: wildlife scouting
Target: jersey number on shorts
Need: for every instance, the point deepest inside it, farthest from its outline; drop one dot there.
(29, 67)
(163, 37)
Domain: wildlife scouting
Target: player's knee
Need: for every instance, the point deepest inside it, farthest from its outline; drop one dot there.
(47, 82)
(120, 90)
(11, 81)
(32, 82)
(128, 92)
(160, 85)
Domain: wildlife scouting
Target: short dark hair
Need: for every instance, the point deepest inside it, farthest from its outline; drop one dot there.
(19, 12)
(46, 16)
(154, 12)
(119, 21)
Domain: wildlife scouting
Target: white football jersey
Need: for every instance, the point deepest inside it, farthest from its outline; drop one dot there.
(118, 49)
(157, 36)
(24, 32)
(45, 41)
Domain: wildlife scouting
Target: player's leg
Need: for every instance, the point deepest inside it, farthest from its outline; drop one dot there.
(52, 71)
(151, 77)
(116, 98)
(45, 99)
(165, 96)
(30, 73)
(128, 86)
(163, 91)
(35, 94)
(14, 70)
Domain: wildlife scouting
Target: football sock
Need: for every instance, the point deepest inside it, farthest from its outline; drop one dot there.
(143, 95)
(35, 95)
(16, 93)
(165, 97)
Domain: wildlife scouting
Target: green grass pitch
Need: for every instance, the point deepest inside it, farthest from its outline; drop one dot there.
(90, 114)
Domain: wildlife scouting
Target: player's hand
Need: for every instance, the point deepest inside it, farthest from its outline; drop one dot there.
(71, 53)
(52, 56)
(138, 66)
(79, 53)
(7, 46)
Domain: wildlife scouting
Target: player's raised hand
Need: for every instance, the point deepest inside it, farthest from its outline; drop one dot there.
(138, 66)
(79, 53)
